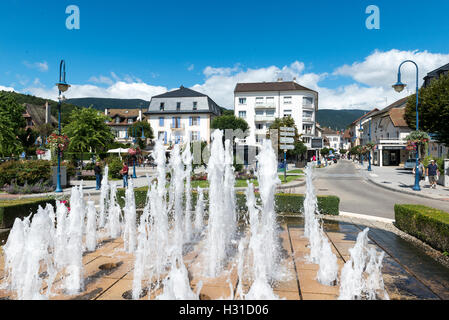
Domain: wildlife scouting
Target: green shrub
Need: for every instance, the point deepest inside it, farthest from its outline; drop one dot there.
(12, 209)
(30, 171)
(285, 203)
(428, 224)
(115, 165)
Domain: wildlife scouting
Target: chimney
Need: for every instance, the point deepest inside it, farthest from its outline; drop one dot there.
(280, 79)
(140, 115)
(294, 79)
(106, 111)
(47, 113)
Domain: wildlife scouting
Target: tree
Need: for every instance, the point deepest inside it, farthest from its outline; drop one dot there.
(325, 151)
(136, 130)
(433, 109)
(300, 148)
(11, 124)
(229, 122)
(87, 130)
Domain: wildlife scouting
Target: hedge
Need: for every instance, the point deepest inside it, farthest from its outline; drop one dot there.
(285, 203)
(12, 209)
(425, 223)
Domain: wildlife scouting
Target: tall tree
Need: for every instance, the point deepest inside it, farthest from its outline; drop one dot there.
(229, 122)
(11, 124)
(433, 109)
(87, 130)
(136, 130)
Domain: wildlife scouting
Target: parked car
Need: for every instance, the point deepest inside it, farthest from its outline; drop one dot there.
(410, 164)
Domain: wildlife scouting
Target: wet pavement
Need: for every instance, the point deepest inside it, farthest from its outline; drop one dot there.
(408, 273)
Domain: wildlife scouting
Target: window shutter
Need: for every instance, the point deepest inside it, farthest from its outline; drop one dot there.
(173, 122)
(165, 137)
(190, 121)
(199, 136)
(199, 120)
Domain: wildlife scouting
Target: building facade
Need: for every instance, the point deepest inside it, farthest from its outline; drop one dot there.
(121, 120)
(182, 114)
(262, 102)
(435, 74)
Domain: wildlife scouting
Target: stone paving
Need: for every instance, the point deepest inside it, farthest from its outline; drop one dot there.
(408, 273)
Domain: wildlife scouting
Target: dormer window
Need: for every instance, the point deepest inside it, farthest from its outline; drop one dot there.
(130, 120)
(178, 106)
(195, 105)
(161, 108)
(117, 119)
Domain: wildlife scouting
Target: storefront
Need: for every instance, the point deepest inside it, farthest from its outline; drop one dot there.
(390, 155)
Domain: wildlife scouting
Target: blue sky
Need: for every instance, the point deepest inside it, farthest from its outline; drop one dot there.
(161, 45)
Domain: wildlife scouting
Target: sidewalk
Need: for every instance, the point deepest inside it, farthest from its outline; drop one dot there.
(400, 180)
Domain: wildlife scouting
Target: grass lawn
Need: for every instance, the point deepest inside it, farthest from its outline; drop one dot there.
(295, 171)
(241, 182)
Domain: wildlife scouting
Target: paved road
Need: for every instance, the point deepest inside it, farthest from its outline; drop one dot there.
(360, 196)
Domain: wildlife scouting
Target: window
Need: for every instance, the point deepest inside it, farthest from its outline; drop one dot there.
(242, 100)
(195, 121)
(270, 113)
(161, 121)
(259, 100)
(176, 124)
(287, 113)
(117, 119)
(178, 106)
(161, 108)
(259, 113)
(307, 114)
(307, 101)
(195, 105)
(259, 126)
(130, 120)
(270, 101)
(242, 114)
(195, 136)
(287, 100)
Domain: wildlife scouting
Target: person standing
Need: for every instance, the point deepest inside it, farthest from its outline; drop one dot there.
(433, 173)
(98, 175)
(124, 173)
(420, 170)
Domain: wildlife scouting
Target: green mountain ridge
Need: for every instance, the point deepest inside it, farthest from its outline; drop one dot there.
(338, 119)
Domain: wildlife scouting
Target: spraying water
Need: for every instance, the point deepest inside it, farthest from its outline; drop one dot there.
(361, 276)
(187, 161)
(91, 226)
(114, 226)
(320, 249)
(104, 198)
(199, 211)
(129, 234)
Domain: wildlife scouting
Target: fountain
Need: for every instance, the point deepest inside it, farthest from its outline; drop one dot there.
(104, 198)
(320, 249)
(113, 224)
(361, 276)
(91, 226)
(130, 215)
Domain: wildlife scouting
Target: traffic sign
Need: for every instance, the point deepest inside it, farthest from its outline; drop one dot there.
(287, 146)
(287, 134)
(286, 140)
(287, 129)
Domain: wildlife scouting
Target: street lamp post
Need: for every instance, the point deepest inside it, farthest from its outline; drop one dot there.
(62, 87)
(369, 137)
(399, 86)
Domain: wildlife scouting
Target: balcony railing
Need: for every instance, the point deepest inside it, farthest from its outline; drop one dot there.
(265, 106)
(177, 126)
(310, 119)
(264, 118)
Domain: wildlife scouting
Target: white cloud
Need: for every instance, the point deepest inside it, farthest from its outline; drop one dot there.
(2, 88)
(380, 68)
(41, 66)
(371, 86)
(191, 67)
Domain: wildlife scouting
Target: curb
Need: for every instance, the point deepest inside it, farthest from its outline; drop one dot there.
(403, 191)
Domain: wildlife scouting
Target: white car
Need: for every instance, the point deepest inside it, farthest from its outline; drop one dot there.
(410, 164)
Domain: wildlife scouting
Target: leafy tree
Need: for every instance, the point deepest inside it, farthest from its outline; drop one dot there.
(325, 151)
(433, 109)
(136, 128)
(229, 122)
(88, 131)
(11, 123)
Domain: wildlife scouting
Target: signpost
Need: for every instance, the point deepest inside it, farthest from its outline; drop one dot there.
(286, 139)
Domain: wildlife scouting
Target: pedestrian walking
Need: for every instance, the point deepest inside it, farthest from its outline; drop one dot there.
(124, 173)
(98, 175)
(420, 170)
(433, 173)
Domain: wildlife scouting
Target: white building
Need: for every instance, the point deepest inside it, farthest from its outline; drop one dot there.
(122, 119)
(388, 131)
(262, 102)
(182, 113)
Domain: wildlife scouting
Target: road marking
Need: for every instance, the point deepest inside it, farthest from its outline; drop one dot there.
(364, 216)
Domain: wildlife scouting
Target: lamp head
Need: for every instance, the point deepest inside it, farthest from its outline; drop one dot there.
(62, 86)
(399, 86)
